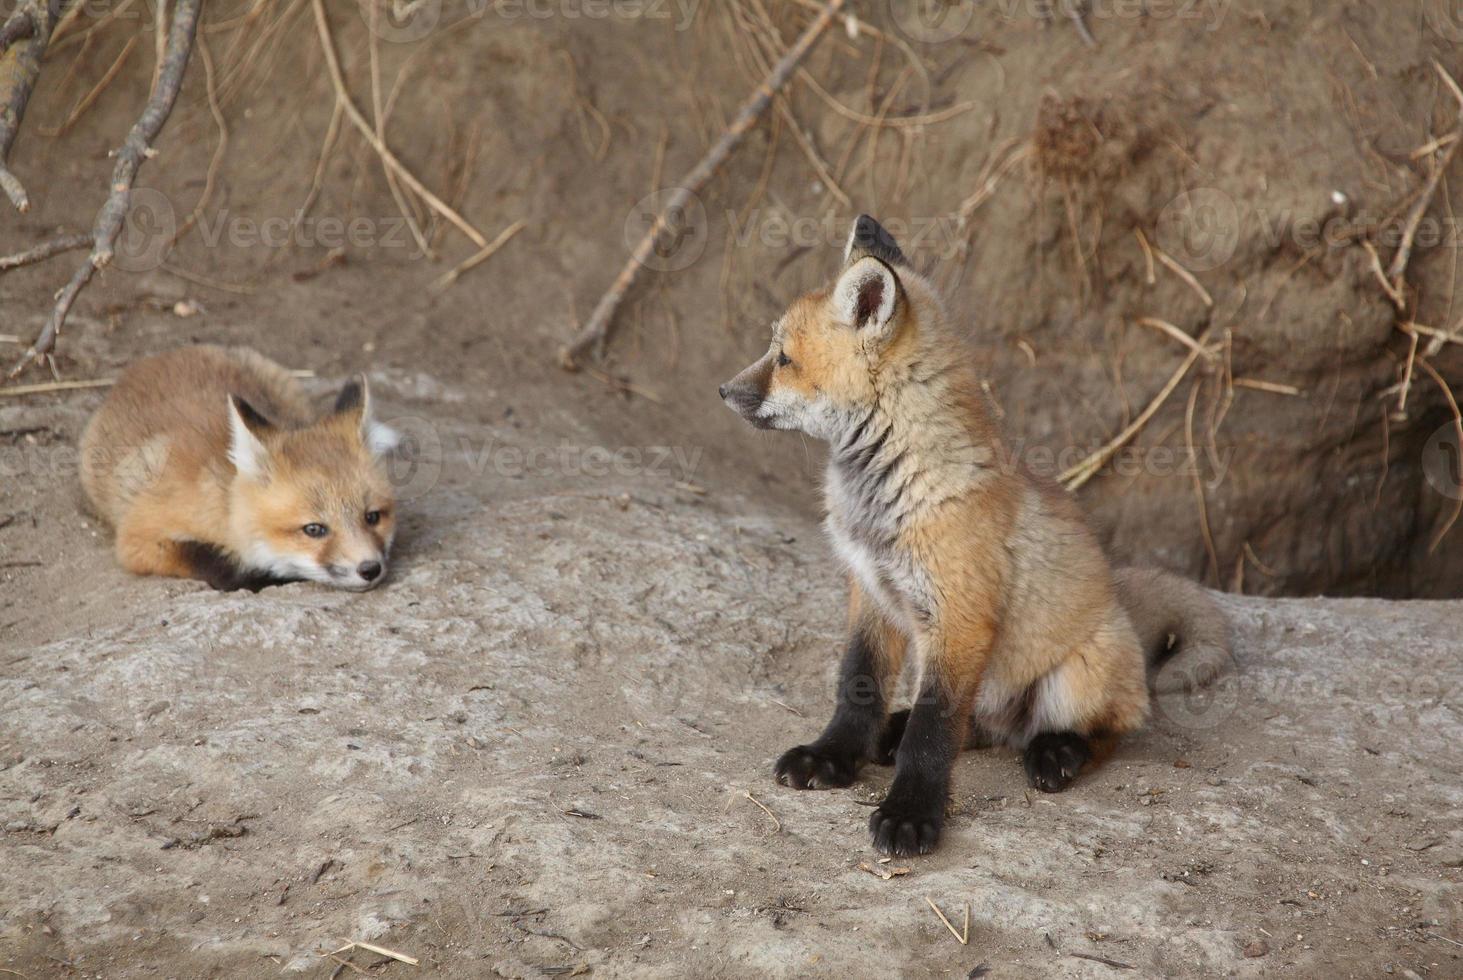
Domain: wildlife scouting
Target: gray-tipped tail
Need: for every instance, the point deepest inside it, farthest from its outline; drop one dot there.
(1184, 634)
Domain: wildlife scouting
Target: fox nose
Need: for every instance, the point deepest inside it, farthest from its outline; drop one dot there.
(721, 391)
(369, 570)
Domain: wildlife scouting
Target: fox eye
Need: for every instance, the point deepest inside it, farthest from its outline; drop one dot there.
(373, 517)
(782, 359)
(315, 530)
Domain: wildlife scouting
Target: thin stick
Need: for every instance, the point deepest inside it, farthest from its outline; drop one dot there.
(448, 278)
(596, 330)
(43, 251)
(379, 115)
(1184, 274)
(218, 150)
(919, 119)
(1457, 431)
(1115, 964)
(1414, 217)
(1274, 387)
(1376, 265)
(342, 95)
(776, 824)
(379, 951)
(1439, 337)
(1407, 375)
(135, 149)
(1199, 481)
(41, 389)
(962, 940)
(1078, 474)
(84, 103)
(1148, 277)
(1176, 334)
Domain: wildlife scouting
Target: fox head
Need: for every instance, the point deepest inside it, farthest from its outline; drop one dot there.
(835, 349)
(313, 503)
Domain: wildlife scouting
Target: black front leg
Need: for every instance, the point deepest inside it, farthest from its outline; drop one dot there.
(216, 567)
(909, 820)
(852, 735)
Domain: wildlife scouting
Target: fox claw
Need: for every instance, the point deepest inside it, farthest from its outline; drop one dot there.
(815, 767)
(1053, 759)
(904, 832)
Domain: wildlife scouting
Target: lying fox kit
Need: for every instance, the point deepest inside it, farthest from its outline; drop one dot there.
(983, 576)
(210, 464)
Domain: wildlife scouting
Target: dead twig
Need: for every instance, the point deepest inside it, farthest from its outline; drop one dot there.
(17, 390)
(45, 250)
(388, 159)
(776, 824)
(449, 277)
(378, 950)
(1398, 268)
(1079, 473)
(963, 940)
(136, 149)
(1188, 277)
(1115, 964)
(1274, 387)
(596, 331)
(1176, 334)
(23, 40)
(85, 102)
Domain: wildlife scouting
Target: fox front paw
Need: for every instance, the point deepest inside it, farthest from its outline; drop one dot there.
(1053, 759)
(816, 767)
(904, 828)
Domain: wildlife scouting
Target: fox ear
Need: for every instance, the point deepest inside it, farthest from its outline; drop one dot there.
(246, 448)
(868, 237)
(867, 295)
(354, 402)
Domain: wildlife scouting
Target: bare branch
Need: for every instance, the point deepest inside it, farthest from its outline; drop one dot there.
(44, 251)
(23, 40)
(596, 331)
(130, 157)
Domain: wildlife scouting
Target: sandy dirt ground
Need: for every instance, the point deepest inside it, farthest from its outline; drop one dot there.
(544, 746)
(541, 749)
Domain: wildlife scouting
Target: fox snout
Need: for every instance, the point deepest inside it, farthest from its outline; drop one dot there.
(361, 577)
(746, 393)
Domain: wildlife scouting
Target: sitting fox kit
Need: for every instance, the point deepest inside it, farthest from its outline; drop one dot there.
(210, 463)
(987, 578)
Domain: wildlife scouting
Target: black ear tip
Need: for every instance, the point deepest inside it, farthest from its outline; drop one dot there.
(248, 413)
(350, 396)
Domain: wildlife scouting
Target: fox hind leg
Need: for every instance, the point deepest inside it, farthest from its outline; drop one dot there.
(1079, 710)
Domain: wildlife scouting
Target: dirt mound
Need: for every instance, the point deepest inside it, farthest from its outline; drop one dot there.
(1216, 170)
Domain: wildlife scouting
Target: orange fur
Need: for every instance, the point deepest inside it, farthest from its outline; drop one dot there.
(156, 464)
(990, 574)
